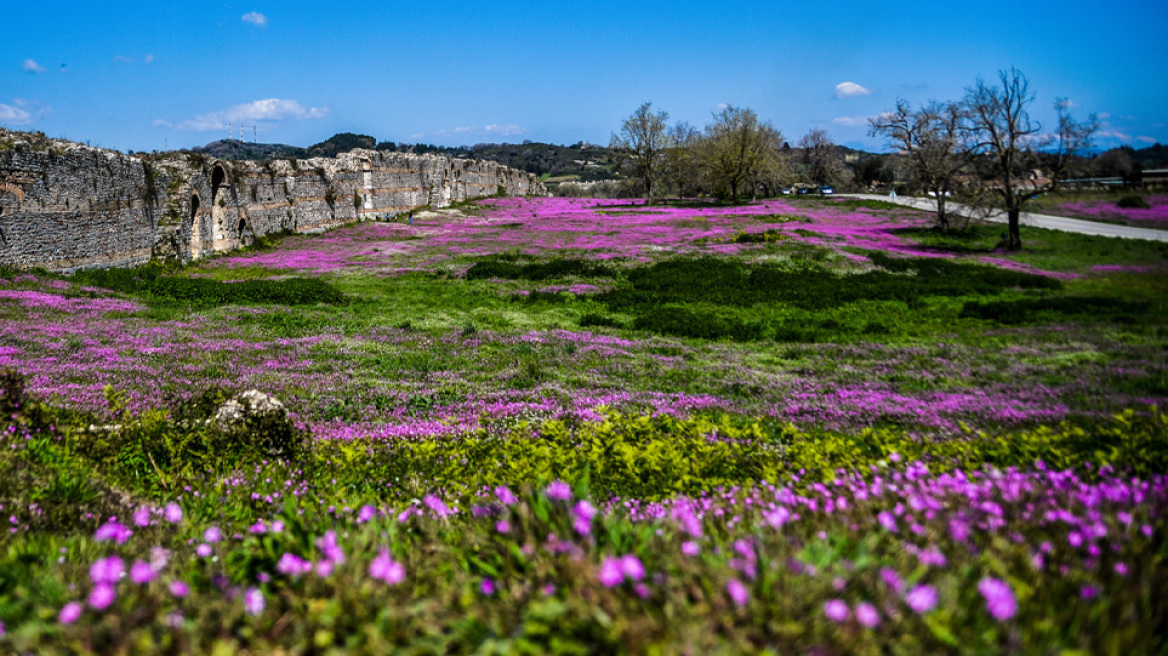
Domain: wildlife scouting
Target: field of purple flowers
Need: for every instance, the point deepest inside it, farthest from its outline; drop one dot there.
(524, 462)
(1155, 215)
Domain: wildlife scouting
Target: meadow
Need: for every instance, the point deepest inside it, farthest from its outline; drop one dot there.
(553, 425)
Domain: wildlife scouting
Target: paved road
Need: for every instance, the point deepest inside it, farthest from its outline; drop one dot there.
(1037, 220)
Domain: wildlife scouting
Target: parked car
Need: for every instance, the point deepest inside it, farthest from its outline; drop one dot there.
(786, 191)
(946, 194)
(826, 190)
(802, 190)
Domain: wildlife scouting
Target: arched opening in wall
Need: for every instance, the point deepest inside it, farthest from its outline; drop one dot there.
(196, 241)
(244, 233)
(218, 177)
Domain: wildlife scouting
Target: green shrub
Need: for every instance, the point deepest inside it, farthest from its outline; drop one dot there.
(1030, 309)
(1134, 201)
(150, 282)
(557, 268)
(592, 319)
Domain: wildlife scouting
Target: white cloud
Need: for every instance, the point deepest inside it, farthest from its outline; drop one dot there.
(161, 123)
(509, 130)
(854, 121)
(721, 107)
(14, 115)
(505, 130)
(850, 90)
(30, 66)
(23, 112)
(1147, 140)
(122, 59)
(255, 18)
(1103, 116)
(1114, 134)
(149, 58)
(271, 109)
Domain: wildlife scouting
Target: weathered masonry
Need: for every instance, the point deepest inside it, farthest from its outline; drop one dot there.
(66, 206)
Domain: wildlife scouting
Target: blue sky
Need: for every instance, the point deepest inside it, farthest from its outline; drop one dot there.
(151, 75)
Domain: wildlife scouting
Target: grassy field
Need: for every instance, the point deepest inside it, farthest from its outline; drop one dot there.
(580, 426)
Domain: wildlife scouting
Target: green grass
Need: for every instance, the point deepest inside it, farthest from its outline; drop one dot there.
(1051, 250)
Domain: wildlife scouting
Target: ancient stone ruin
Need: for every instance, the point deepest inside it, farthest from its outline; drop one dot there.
(66, 206)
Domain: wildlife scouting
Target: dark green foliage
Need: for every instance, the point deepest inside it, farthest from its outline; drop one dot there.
(340, 143)
(759, 237)
(723, 282)
(856, 203)
(593, 319)
(1038, 309)
(558, 268)
(149, 282)
(685, 322)
(1134, 201)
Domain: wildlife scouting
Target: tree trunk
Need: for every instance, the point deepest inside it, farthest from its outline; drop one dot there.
(1015, 240)
(942, 219)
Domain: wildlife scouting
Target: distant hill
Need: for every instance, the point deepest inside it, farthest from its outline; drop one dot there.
(554, 163)
(242, 150)
(340, 143)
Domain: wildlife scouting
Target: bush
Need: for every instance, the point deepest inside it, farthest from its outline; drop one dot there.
(149, 281)
(685, 322)
(593, 319)
(557, 268)
(1028, 309)
(1133, 201)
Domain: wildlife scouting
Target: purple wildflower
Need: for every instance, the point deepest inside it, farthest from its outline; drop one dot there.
(999, 598)
(738, 592)
(173, 513)
(385, 568)
(867, 615)
(835, 610)
(203, 550)
(583, 514)
(212, 535)
(69, 613)
(559, 491)
(102, 595)
(141, 516)
(610, 572)
(922, 598)
(107, 570)
(112, 531)
(141, 572)
(506, 497)
(253, 601)
(487, 587)
(179, 589)
(631, 567)
(690, 548)
(887, 521)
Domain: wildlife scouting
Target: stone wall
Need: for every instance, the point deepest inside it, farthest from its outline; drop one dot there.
(65, 206)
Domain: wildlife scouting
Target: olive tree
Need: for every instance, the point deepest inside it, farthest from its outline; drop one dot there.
(643, 142)
(738, 149)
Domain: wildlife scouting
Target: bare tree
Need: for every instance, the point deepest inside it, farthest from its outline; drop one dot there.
(932, 141)
(738, 147)
(824, 164)
(1013, 147)
(681, 157)
(643, 140)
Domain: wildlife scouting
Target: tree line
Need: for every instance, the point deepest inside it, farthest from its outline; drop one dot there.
(984, 151)
(737, 154)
